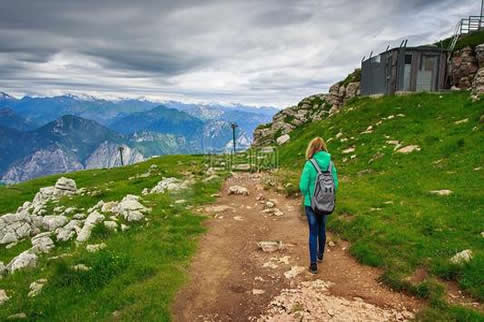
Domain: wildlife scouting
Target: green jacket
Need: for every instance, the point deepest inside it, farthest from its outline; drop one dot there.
(308, 176)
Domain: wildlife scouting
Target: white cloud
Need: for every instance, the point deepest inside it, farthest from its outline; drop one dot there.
(253, 52)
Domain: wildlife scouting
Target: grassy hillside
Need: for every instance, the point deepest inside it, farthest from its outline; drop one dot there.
(473, 39)
(384, 206)
(136, 276)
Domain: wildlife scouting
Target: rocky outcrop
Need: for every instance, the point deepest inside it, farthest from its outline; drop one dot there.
(478, 82)
(41, 163)
(464, 67)
(312, 108)
(168, 184)
(107, 156)
(92, 220)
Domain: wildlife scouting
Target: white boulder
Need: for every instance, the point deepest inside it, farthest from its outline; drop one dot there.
(92, 220)
(238, 190)
(42, 243)
(409, 149)
(65, 186)
(270, 246)
(36, 287)
(131, 209)
(95, 247)
(169, 184)
(443, 192)
(24, 260)
(462, 257)
(111, 225)
(3, 297)
(51, 223)
(68, 231)
(283, 139)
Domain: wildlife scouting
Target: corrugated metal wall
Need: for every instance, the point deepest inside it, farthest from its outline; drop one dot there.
(391, 71)
(373, 76)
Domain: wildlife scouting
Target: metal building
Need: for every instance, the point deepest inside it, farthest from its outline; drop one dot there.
(405, 69)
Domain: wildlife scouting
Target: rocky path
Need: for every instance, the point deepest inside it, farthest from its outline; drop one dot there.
(232, 279)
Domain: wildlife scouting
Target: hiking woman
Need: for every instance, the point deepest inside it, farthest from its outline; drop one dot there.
(318, 151)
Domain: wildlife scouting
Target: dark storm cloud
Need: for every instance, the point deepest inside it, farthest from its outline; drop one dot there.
(259, 52)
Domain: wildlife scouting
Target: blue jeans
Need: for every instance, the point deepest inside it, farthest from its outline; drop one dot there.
(317, 233)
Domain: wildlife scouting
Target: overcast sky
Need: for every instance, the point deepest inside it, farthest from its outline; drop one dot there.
(259, 52)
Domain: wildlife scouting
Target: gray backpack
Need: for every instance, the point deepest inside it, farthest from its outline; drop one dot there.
(323, 199)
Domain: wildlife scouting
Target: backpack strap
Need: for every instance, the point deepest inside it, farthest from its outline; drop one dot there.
(315, 165)
(330, 167)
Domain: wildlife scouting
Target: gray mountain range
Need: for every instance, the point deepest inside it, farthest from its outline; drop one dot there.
(47, 135)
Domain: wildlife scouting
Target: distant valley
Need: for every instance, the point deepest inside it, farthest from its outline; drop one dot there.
(46, 135)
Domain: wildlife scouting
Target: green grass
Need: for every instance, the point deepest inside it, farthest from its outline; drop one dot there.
(471, 40)
(137, 274)
(355, 76)
(418, 229)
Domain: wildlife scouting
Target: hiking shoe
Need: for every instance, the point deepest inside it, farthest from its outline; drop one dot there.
(313, 268)
(320, 258)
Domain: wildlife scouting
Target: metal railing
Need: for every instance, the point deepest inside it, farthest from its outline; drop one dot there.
(470, 24)
(466, 26)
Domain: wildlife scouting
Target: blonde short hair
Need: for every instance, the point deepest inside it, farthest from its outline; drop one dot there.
(317, 144)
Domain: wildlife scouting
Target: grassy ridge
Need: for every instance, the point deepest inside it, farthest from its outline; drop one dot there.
(137, 274)
(384, 206)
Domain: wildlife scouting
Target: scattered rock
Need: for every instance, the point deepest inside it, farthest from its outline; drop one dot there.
(269, 204)
(124, 227)
(239, 218)
(3, 269)
(409, 148)
(218, 209)
(170, 184)
(259, 197)
(461, 121)
(26, 259)
(51, 223)
(270, 265)
(3, 297)
(79, 216)
(295, 271)
(92, 220)
(68, 186)
(312, 301)
(81, 268)
(283, 139)
(42, 243)
(283, 259)
(348, 150)
(17, 316)
(270, 246)
(131, 209)
(238, 190)
(257, 291)
(443, 192)
(273, 212)
(95, 247)
(68, 231)
(36, 287)
(464, 256)
(111, 225)
(110, 206)
(331, 243)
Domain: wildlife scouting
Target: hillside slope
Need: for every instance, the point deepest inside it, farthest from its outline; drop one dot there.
(70, 143)
(125, 269)
(389, 204)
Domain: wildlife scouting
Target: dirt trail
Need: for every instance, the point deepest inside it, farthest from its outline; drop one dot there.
(231, 279)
